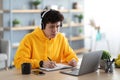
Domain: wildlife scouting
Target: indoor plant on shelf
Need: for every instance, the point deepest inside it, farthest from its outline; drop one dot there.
(16, 22)
(36, 3)
(80, 17)
(80, 31)
(105, 55)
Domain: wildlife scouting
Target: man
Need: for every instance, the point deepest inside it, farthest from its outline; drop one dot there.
(47, 46)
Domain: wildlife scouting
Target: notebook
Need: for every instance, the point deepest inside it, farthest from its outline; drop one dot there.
(58, 67)
(90, 62)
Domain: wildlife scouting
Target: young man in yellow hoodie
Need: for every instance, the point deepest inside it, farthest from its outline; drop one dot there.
(46, 42)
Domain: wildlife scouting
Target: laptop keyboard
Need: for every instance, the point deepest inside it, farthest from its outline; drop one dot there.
(74, 71)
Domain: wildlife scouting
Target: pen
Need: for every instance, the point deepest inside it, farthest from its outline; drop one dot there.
(51, 60)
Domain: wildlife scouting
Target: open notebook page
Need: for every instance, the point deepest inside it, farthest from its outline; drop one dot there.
(58, 67)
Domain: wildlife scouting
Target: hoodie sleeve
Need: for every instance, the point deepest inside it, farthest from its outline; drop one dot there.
(24, 53)
(68, 53)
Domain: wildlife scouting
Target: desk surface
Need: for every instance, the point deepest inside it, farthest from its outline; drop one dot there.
(14, 74)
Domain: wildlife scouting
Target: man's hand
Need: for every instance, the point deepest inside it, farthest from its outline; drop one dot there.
(73, 62)
(49, 64)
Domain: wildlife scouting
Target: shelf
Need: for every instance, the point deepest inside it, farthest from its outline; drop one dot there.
(1, 11)
(15, 45)
(65, 25)
(76, 24)
(1, 29)
(38, 11)
(81, 50)
(76, 38)
(23, 11)
(64, 11)
(29, 11)
(73, 25)
(21, 28)
(75, 10)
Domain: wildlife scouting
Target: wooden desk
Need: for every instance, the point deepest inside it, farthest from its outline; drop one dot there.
(14, 74)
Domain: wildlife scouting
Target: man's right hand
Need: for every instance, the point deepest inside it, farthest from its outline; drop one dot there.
(49, 64)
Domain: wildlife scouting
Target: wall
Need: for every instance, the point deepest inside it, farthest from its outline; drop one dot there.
(1, 22)
(0, 13)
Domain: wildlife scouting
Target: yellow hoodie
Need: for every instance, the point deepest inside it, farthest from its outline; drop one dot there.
(35, 47)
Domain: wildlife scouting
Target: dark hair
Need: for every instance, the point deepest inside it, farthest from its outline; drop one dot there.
(50, 16)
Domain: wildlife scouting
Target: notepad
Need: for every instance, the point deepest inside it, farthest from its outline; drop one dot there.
(58, 67)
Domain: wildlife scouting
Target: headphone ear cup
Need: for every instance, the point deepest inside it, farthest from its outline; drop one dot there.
(61, 24)
(42, 26)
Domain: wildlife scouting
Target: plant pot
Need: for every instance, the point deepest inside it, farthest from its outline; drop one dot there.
(36, 6)
(79, 20)
(16, 25)
(102, 64)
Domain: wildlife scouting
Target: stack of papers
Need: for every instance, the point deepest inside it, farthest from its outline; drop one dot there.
(58, 67)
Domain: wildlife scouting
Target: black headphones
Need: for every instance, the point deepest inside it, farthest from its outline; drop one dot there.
(42, 16)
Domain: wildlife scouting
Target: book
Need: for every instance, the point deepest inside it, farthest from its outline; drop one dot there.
(58, 67)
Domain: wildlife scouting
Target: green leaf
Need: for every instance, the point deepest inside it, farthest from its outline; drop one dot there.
(37, 2)
(16, 21)
(105, 55)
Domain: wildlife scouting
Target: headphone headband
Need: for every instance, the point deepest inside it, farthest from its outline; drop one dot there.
(45, 13)
(42, 24)
(42, 16)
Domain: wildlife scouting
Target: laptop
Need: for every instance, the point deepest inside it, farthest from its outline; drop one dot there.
(90, 62)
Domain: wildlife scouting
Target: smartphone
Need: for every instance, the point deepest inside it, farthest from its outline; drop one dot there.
(38, 72)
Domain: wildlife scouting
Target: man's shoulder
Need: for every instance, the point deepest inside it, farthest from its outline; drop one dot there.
(61, 35)
(33, 33)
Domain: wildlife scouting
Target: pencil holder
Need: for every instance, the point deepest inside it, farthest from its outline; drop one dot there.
(109, 66)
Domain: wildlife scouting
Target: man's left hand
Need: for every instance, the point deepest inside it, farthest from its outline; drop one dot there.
(73, 62)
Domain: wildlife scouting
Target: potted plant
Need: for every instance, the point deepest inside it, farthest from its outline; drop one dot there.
(80, 31)
(105, 56)
(16, 22)
(80, 17)
(36, 3)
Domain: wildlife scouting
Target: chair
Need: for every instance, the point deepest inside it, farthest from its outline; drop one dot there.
(4, 52)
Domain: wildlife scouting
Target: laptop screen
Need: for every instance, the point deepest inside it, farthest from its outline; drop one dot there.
(90, 62)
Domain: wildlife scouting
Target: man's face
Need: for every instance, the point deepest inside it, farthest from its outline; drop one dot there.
(51, 29)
